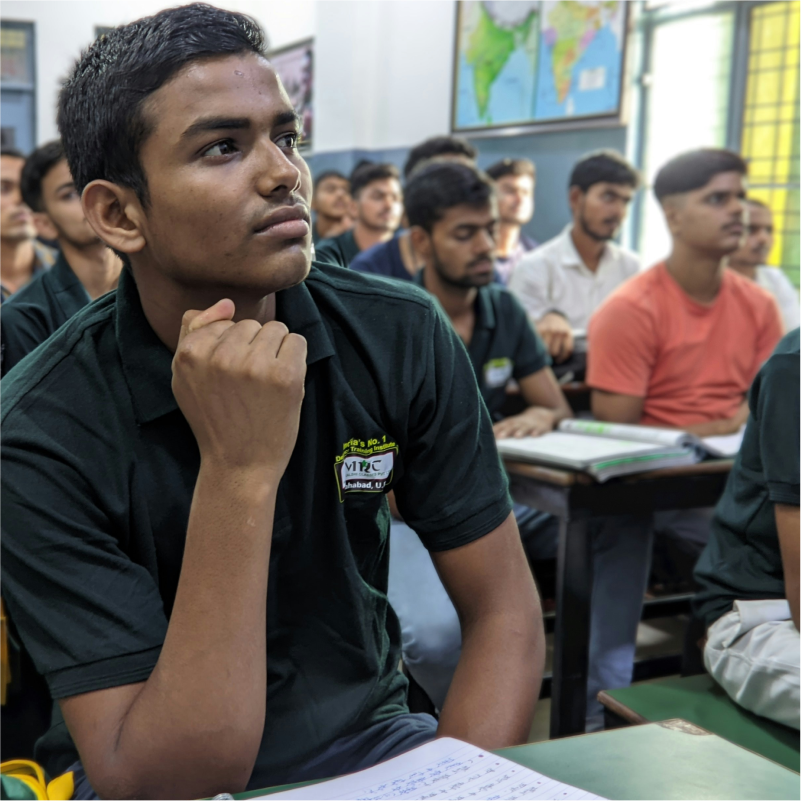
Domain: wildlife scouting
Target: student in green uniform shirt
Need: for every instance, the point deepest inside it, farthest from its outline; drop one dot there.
(749, 571)
(84, 270)
(331, 204)
(377, 207)
(453, 215)
(195, 467)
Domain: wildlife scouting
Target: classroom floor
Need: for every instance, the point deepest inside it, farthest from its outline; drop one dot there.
(656, 637)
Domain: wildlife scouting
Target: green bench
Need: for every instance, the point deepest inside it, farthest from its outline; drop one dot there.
(700, 700)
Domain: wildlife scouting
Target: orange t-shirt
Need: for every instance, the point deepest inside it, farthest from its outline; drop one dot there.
(691, 362)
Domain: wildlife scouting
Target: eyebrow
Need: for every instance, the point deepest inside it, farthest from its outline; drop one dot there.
(206, 124)
(68, 185)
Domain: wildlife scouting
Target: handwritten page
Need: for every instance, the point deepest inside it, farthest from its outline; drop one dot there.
(444, 769)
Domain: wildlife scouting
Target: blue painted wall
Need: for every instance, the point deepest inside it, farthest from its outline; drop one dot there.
(553, 153)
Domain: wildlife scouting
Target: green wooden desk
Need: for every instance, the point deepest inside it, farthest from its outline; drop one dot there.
(673, 759)
(701, 700)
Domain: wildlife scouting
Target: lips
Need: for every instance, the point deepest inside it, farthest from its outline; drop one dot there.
(288, 222)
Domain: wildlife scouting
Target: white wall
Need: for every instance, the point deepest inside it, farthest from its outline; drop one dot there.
(63, 28)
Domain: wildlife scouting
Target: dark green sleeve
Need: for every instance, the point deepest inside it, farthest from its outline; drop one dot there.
(22, 329)
(454, 489)
(530, 353)
(775, 405)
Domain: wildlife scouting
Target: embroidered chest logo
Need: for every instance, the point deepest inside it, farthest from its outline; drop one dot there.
(365, 465)
(497, 372)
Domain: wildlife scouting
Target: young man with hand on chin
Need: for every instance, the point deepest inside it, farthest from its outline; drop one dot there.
(201, 577)
(453, 218)
(84, 270)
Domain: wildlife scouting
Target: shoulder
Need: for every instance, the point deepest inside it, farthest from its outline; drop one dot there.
(504, 302)
(748, 293)
(548, 253)
(775, 279)
(638, 292)
(373, 259)
(628, 259)
(32, 293)
(38, 372)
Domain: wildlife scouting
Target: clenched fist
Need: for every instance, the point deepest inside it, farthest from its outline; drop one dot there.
(240, 387)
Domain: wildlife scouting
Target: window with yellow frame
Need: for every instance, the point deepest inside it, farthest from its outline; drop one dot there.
(770, 137)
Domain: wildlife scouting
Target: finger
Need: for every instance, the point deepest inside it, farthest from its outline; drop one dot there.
(269, 339)
(193, 319)
(293, 348)
(239, 335)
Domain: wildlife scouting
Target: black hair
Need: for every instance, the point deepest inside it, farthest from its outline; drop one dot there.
(365, 172)
(100, 106)
(442, 184)
(603, 166)
(438, 146)
(318, 179)
(695, 169)
(37, 165)
(506, 167)
(13, 153)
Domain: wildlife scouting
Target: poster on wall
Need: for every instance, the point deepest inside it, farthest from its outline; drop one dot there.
(295, 67)
(524, 63)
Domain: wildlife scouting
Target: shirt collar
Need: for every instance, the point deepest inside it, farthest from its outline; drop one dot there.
(485, 311)
(65, 280)
(147, 362)
(570, 257)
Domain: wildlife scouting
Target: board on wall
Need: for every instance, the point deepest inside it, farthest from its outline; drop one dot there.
(295, 67)
(538, 64)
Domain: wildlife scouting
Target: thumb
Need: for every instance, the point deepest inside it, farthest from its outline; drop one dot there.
(193, 319)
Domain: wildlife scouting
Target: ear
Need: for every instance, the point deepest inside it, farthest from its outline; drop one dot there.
(116, 215)
(44, 225)
(353, 208)
(421, 242)
(574, 196)
(672, 208)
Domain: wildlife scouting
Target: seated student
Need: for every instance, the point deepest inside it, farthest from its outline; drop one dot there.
(396, 257)
(21, 256)
(748, 573)
(749, 260)
(453, 215)
(200, 574)
(377, 207)
(331, 205)
(515, 181)
(85, 268)
(562, 282)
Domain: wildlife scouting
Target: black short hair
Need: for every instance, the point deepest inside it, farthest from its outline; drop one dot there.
(365, 172)
(603, 166)
(442, 184)
(13, 153)
(438, 146)
(695, 169)
(37, 165)
(100, 115)
(318, 179)
(506, 167)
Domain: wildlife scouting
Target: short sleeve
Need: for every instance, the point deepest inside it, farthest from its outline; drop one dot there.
(775, 409)
(88, 615)
(621, 348)
(530, 353)
(530, 285)
(454, 489)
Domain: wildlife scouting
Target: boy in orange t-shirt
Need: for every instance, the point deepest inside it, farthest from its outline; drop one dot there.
(679, 345)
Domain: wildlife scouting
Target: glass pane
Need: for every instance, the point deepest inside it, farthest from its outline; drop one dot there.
(16, 54)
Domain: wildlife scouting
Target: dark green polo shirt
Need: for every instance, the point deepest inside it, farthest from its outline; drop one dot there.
(99, 466)
(31, 315)
(504, 343)
(742, 560)
(340, 250)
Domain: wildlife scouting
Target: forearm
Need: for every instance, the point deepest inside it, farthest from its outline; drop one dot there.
(497, 682)
(196, 726)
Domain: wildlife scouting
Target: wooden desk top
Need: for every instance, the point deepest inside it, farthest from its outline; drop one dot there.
(567, 478)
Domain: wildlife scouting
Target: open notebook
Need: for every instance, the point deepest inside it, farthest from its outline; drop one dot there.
(606, 450)
(446, 769)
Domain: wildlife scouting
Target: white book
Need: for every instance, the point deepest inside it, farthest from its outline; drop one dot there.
(445, 769)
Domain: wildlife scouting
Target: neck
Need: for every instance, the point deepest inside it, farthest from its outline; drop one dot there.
(507, 239)
(748, 270)
(407, 253)
(17, 257)
(324, 224)
(456, 301)
(367, 236)
(164, 303)
(96, 266)
(698, 274)
(589, 248)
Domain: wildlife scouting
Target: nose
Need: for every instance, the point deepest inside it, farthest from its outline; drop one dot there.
(276, 176)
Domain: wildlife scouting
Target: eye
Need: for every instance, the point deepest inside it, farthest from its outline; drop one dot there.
(288, 140)
(224, 148)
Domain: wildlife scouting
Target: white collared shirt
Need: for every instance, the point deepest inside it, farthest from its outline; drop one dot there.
(778, 284)
(553, 277)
